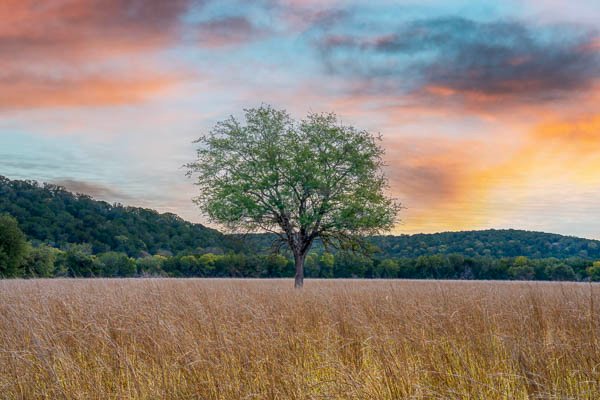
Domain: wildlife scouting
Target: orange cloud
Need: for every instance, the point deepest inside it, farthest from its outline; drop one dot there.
(56, 29)
(431, 176)
(468, 184)
(51, 52)
(22, 92)
(567, 150)
(582, 132)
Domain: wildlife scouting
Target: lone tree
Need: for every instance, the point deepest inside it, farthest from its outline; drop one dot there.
(300, 180)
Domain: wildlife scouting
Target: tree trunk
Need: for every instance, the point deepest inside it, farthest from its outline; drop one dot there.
(299, 261)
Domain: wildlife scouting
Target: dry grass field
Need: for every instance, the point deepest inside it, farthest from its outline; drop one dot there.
(260, 339)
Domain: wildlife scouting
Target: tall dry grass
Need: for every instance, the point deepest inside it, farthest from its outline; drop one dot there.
(245, 339)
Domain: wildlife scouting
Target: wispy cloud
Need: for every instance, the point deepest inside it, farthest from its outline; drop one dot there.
(95, 190)
(228, 31)
(26, 91)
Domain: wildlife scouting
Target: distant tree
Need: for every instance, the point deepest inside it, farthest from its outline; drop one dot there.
(387, 268)
(457, 264)
(231, 265)
(41, 261)
(208, 262)
(184, 265)
(407, 268)
(299, 180)
(326, 263)
(351, 265)
(521, 269)
(311, 266)
(80, 262)
(13, 247)
(436, 266)
(560, 272)
(275, 265)
(594, 271)
(117, 264)
(319, 265)
(150, 265)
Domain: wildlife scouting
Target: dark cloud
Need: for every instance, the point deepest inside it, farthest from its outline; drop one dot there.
(456, 57)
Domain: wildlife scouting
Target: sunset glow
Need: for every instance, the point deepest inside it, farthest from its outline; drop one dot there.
(489, 113)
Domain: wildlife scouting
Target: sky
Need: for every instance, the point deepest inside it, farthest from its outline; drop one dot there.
(489, 112)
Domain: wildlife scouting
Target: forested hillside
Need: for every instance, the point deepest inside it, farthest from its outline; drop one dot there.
(50, 214)
(492, 243)
(74, 235)
(485, 243)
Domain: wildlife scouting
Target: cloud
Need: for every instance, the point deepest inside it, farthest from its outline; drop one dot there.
(89, 52)
(461, 184)
(95, 190)
(432, 177)
(87, 28)
(86, 52)
(228, 31)
(564, 149)
(425, 172)
(458, 59)
(177, 199)
(28, 91)
(303, 17)
(582, 132)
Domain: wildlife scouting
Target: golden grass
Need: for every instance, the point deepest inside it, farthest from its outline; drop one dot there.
(246, 339)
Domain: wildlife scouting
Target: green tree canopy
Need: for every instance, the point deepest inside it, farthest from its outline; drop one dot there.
(300, 180)
(594, 271)
(40, 262)
(13, 247)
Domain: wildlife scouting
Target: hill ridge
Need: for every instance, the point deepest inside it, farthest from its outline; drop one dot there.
(51, 214)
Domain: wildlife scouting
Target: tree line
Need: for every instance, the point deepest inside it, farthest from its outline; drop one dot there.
(495, 243)
(46, 231)
(77, 261)
(20, 258)
(52, 215)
